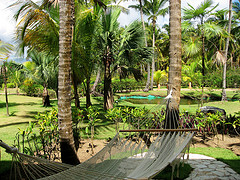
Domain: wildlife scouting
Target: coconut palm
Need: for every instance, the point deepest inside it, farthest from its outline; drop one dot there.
(38, 26)
(5, 50)
(140, 8)
(68, 152)
(117, 48)
(153, 9)
(201, 13)
(224, 95)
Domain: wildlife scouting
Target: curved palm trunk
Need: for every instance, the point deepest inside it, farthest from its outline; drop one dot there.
(174, 81)
(97, 80)
(68, 152)
(224, 95)
(5, 86)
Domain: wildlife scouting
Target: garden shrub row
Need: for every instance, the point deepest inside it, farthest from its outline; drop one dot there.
(41, 138)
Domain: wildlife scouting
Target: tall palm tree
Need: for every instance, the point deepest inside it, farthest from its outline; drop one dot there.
(117, 47)
(224, 95)
(5, 49)
(68, 152)
(202, 12)
(140, 8)
(175, 49)
(153, 9)
(85, 51)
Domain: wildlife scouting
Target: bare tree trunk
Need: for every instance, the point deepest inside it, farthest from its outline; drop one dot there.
(5, 86)
(68, 152)
(224, 95)
(175, 49)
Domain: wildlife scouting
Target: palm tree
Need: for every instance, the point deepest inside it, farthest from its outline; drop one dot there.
(224, 95)
(175, 50)
(68, 152)
(140, 8)
(5, 49)
(117, 47)
(153, 9)
(85, 51)
(202, 12)
(38, 26)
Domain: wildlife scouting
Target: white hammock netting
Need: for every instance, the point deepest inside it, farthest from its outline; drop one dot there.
(129, 155)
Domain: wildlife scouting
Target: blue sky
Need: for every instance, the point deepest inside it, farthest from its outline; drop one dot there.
(7, 23)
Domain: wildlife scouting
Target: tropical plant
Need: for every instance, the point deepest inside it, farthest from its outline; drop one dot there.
(118, 48)
(205, 30)
(153, 9)
(5, 49)
(38, 26)
(92, 115)
(160, 77)
(224, 95)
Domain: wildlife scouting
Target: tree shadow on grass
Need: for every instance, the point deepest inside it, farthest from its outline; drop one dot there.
(15, 123)
(12, 104)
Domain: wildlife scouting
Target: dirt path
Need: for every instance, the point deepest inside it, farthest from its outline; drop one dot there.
(230, 142)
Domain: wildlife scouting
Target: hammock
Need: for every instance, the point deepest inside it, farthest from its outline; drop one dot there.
(122, 158)
(127, 156)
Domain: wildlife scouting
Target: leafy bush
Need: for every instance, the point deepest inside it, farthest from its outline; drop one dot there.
(11, 85)
(214, 79)
(31, 88)
(41, 138)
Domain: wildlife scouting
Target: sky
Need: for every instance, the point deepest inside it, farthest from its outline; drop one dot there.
(8, 24)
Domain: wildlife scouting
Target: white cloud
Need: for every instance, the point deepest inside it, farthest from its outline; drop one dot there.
(7, 23)
(133, 15)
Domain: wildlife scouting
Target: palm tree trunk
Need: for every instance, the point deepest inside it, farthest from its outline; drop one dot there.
(97, 80)
(5, 86)
(146, 89)
(203, 68)
(175, 49)
(68, 152)
(75, 91)
(108, 94)
(153, 58)
(224, 95)
(88, 97)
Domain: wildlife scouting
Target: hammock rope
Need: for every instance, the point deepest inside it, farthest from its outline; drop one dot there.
(127, 156)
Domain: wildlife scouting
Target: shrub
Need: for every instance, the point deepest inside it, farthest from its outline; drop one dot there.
(41, 138)
(31, 88)
(11, 85)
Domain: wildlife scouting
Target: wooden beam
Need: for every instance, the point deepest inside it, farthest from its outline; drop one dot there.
(158, 130)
